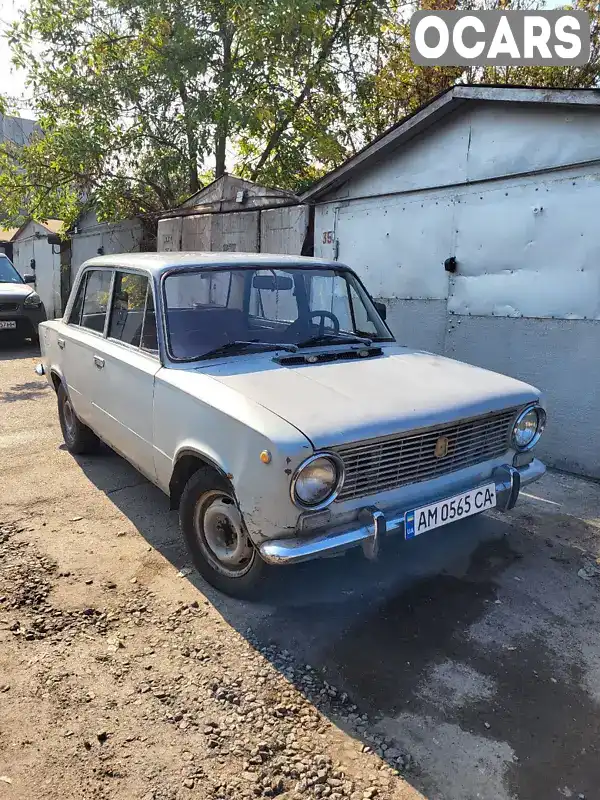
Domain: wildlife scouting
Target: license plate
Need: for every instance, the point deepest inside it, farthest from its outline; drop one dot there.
(443, 512)
(7, 325)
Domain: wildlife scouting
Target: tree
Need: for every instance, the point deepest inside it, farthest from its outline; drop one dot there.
(140, 101)
(136, 97)
(387, 85)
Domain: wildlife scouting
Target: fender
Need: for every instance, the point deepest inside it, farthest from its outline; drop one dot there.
(207, 455)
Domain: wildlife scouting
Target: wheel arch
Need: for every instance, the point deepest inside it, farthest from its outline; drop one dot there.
(56, 379)
(188, 461)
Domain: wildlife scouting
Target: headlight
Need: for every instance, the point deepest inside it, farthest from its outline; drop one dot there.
(528, 427)
(33, 300)
(317, 481)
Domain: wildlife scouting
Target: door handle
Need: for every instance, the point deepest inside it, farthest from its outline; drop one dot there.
(61, 343)
(99, 362)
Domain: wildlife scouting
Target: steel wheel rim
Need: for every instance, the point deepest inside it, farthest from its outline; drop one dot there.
(70, 419)
(221, 535)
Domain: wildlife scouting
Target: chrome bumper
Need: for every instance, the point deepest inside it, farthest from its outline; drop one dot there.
(374, 524)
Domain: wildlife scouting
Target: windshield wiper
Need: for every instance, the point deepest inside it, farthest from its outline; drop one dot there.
(240, 345)
(334, 339)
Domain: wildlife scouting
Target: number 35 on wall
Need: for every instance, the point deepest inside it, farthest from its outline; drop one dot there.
(328, 237)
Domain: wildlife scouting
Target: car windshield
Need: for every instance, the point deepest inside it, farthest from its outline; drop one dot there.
(8, 274)
(233, 310)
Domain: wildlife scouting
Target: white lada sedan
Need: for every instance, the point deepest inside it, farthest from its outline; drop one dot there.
(267, 397)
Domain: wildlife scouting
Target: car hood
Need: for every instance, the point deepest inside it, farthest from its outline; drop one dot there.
(344, 401)
(14, 291)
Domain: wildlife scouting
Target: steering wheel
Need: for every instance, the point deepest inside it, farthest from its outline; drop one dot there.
(300, 323)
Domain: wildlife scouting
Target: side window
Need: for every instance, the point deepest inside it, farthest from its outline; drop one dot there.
(128, 306)
(95, 301)
(363, 324)
(75, 316)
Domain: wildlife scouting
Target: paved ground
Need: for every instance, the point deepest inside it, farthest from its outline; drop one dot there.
(475, 650)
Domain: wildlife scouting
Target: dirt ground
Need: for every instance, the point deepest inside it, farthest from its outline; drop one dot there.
(462, 666)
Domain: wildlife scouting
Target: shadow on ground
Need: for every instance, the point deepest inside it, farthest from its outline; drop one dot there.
(15, 351)
(385, 633)
(24, 391)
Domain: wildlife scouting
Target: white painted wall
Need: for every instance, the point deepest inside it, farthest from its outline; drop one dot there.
(28, 246)
(513, 192)
(124, 236)
(482, 141)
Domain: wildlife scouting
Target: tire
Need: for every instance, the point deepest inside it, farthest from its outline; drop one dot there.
(217, 540)
(79, 439)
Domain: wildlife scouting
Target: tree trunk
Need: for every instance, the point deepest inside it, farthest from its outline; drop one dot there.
(192, 142)
(338, 28)
(222, 131)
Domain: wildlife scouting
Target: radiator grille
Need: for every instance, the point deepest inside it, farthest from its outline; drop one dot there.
(9, 306)
(378, 465)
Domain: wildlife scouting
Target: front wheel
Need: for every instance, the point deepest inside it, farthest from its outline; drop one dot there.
(79, 439)
(212, 526)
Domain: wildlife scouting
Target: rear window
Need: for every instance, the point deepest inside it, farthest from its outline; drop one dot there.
(128, 306)
(95, 299)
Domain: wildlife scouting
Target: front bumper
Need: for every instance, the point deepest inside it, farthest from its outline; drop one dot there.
(373, 525)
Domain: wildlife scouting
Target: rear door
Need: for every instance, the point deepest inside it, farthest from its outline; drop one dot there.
(125, 364)
(82, 334)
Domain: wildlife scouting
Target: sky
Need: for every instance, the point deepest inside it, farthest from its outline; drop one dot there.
(12, 81)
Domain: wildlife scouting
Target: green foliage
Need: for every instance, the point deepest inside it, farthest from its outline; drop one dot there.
(136, 97)
(140, 102)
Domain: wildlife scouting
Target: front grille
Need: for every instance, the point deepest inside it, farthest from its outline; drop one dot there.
(378, 465)
(9, 306)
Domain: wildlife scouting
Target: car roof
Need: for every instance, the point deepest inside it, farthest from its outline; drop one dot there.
(157, 263)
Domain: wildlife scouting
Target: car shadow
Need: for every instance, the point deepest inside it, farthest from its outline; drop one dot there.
(11, 351)
(371, 629)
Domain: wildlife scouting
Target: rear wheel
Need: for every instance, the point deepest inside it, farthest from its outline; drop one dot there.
(79, 439)
(216, 537)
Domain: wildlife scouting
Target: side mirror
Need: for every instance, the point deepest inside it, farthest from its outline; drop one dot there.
(381, 309)
(29, 277)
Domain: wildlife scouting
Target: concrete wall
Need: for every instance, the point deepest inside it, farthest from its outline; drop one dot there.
(233, 232)
(512, 193)
(276, 230)
(282, 230)
(28, 246)
(115, 237)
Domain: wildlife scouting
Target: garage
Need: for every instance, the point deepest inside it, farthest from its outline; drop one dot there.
(475, 221)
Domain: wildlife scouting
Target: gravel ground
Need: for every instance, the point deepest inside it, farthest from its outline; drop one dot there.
(465, 666)
(118, 679)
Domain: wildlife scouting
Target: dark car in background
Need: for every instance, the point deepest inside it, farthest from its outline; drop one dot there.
(21, 309)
